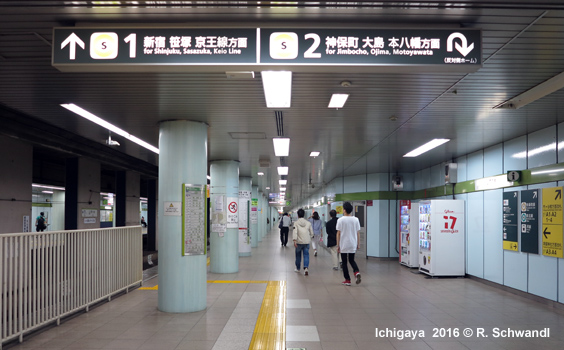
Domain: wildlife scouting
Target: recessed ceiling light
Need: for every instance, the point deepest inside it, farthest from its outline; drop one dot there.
(426, 147)
(281, 146)
(314, 154)
(338, 100)
(282, 189)
(277, 87)
(85, 114)
(282, 170)
(260, 173)
(282, 182)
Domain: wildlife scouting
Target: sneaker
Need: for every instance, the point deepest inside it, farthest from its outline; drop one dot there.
(315, 254)
(296, 269)
(357, 276)
(306, 272)
(347, 282)
(335, 268)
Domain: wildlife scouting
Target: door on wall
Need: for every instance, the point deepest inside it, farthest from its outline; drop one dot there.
(359, 211)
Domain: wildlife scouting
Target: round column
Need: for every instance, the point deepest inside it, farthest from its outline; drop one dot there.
(245, 191)
(182, 160)
(254, 217)
(224, 199)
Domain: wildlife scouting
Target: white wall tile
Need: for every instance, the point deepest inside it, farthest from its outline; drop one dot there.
(513, 154)
(493, 160)
(475, 235)
(475, 168)
(542, 147)
(493, 238)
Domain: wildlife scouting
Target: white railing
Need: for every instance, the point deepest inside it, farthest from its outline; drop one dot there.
(48, 275)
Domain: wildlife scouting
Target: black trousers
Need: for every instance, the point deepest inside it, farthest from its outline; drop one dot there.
(350, 258)
(284, 235)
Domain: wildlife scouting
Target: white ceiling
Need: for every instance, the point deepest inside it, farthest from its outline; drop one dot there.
(523, 45)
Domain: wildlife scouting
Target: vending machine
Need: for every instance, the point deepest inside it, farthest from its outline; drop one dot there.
(409, 244)
(442, 237)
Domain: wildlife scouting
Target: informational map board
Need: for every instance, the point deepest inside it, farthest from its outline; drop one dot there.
(530, 221)
(510, 214)
(194, 220)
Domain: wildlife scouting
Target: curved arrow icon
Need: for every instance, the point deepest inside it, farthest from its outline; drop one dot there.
(464, 49)
(72, 40)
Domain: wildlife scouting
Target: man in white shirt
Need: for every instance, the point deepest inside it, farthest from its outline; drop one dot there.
(348, 240)
(286, 222)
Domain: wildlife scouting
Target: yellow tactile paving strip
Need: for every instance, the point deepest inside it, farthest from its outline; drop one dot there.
(270, 329)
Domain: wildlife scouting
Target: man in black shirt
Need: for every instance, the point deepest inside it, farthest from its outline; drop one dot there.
(331, 228)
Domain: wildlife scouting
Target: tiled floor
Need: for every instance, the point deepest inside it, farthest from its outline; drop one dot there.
(320, 312)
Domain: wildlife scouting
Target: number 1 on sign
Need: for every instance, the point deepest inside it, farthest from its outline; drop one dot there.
(132, 41)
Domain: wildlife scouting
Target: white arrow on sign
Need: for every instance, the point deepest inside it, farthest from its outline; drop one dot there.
(464, 49)
(72, 40)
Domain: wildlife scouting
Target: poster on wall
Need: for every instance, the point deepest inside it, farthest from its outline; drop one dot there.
(529, 221)
(510, 235)
(232, 212)
(194, 237)
(552, 222)
(254, 211)
(219, 216)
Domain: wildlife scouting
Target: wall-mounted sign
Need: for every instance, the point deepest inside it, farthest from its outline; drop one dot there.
(89, 213)
(552, 222)
(89, 220)
(491, 183)
(232, 212)
(156, 49)
(529, 221)
(510, 214)
(172, 208)
(194, 220)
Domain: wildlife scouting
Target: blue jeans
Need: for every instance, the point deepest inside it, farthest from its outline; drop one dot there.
(299, 249)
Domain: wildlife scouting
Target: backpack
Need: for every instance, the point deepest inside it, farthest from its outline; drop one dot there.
(41, 222)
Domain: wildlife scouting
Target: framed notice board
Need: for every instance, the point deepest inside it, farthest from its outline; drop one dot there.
(194, 220)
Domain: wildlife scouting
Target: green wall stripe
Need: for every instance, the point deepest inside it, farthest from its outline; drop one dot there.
(46, 205)
(549, 173)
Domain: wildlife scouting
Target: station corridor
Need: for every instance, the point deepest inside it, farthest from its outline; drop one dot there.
(319, 312)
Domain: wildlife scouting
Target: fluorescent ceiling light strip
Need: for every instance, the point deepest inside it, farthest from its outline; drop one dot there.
(543, 89)
(277, 87)
(338, 100)
(282, 182)
(426, 147)
(47, 192)
(282, 170)
(49, 187)
(282, 189)
(85, 114)
(314, 154)
(281, 146)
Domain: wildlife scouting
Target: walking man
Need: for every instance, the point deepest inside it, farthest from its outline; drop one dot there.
(302, 237)
(348, 240)
(331, 228)
(285, 222)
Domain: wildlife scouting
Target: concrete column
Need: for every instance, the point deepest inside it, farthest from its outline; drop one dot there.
(245, 190)
(82, 185)
(224, 197)
(182, 160)
(259, 216)
(254, 217)
(262, 216)
(15, 186)
(127, 198)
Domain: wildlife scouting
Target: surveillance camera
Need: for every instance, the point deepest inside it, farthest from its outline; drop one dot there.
(312, 186)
